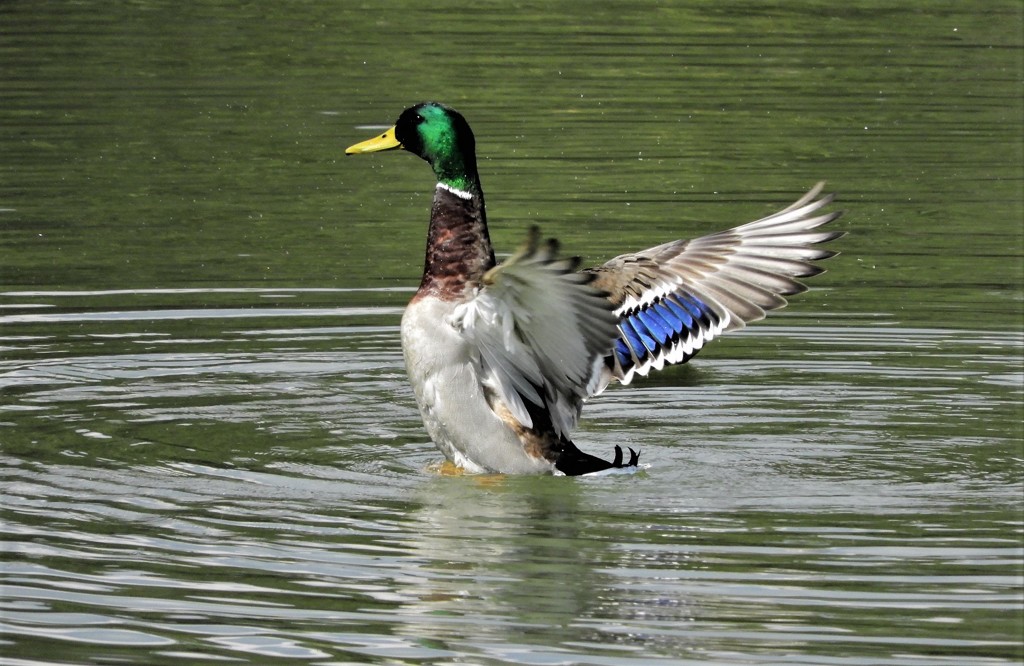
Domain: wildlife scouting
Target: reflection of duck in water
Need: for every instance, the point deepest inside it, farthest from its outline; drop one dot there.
(524, 566)
(501, 357)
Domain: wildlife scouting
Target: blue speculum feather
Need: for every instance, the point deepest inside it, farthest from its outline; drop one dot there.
(622, 354)
(641, 334)
(682, 315)
(655, 325)
(666, 315)
(632, 339)
(660, 325)
(691, 304)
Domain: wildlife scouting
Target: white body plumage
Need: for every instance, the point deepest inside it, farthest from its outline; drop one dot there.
(444, 370)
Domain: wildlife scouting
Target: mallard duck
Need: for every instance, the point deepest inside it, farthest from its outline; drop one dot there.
(501, 357)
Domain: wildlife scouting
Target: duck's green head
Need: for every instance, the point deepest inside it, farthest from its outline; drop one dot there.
(436, 133)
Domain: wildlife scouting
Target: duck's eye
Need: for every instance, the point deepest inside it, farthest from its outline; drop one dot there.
(420, 119)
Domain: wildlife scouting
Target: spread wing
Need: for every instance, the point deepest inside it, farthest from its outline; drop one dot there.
(672, 299)
(542, 332)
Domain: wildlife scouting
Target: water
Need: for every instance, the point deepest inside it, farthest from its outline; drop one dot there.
(209, 450)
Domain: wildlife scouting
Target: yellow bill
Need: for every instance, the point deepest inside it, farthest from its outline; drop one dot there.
(385, 141)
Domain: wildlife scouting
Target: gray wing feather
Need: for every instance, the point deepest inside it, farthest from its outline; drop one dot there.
(724, 281)
(542, 333)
